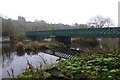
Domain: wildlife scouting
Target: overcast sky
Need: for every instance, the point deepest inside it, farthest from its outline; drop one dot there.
(59, 11)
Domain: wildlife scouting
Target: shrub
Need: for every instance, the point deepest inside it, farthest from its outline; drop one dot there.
(86, 42)
(28, 48)
(20, 46)
(34, 46)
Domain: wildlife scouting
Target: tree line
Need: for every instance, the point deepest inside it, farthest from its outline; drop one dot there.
(13, 26)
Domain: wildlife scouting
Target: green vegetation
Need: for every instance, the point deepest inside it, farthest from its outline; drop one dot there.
(105, 65)
(89, 65)
(93, 64)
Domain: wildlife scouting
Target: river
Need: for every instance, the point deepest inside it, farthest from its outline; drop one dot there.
(18, 62)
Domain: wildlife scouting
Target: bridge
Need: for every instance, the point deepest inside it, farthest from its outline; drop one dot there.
(65, 35)
(110, 32)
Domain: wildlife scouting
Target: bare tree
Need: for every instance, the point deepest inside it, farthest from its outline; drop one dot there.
(100, 21)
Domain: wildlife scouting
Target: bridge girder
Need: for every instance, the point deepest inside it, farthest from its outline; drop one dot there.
(109, 32)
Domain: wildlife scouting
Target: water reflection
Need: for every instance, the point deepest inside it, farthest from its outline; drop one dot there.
(18, 61)
(0, 60)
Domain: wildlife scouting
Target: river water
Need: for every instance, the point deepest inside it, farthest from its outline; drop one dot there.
(18, 62)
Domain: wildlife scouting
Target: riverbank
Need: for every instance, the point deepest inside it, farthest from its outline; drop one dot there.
(90, 65)
(87, 66)
(44, 46)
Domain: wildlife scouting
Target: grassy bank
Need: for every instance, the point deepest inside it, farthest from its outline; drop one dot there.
(36, 47)
(39, 46)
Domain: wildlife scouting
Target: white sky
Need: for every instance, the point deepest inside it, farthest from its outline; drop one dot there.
(60, 11)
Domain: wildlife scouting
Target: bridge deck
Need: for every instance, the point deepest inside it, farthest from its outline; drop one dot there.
(112, 32)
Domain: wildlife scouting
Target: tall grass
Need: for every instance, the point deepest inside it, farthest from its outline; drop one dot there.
(39, 46)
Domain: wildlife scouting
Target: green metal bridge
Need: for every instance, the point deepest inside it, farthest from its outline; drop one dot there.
(65, 35)
(109, 32)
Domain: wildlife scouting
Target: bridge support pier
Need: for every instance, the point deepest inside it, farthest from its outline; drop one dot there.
(64, 39)
(34, 38)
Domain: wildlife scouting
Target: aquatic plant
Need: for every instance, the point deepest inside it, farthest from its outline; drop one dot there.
(91, 65)
(31, 72)
(11, 75)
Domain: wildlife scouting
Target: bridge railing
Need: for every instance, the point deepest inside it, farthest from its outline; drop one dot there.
(112, 32)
